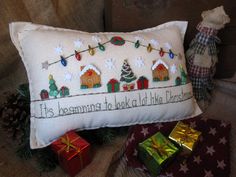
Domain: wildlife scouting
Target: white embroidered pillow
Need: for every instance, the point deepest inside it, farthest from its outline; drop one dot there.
(82, 80)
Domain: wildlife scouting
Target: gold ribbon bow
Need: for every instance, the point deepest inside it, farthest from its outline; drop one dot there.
(160, 148)
(187, 135)
(68, 144)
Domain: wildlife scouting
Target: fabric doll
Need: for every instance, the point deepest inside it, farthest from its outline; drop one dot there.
(202, 54)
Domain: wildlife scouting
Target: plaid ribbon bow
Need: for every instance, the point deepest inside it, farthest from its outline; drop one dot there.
(205, 38)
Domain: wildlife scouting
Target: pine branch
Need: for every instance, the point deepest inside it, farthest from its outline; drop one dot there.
(46, 159)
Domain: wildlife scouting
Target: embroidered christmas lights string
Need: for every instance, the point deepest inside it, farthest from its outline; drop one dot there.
(119, 41)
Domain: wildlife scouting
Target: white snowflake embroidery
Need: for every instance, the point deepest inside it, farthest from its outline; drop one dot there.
(139, 38)
(78, 44)
(135, 153)
(68, 76)
(221, 164)
(193, 124)
(167, 45)
(154, 42)
(139, 62)
(58, 50)
(183, 167)
(212, 131)
(96, 39)
(144, 131)
(208, 173)
(158, 125)
(210, 150)
(110, 63)
(131, 138)
(223, 141)
(173, 69)
(45, 65)
(197, 159)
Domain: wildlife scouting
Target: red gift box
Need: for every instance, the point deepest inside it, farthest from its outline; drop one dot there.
(73, 152)
(113, 85)
(142, 83)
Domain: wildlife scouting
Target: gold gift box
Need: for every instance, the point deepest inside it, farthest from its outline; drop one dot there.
(185, 136)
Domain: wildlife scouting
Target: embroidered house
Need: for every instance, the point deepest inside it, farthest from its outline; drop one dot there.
(90, 77)
(160, 71)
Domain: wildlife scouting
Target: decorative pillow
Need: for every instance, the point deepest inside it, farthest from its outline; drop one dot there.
(82, 80)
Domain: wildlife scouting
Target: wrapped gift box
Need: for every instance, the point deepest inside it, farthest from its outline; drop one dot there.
(64, 91)
(73, 152)
(113, 86)
(44, 94)
(155, 152)
(185, 136)
(142, 83)
(128, 87)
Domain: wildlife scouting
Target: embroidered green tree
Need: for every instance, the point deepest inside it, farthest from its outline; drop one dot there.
(183, 75)
(127, 74)
(52, 86)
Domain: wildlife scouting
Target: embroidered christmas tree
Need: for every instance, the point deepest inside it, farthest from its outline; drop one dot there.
(52, 86)
(183, 75)
(127, 74)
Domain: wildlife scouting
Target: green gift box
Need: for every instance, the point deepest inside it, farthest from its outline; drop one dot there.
(113, 86)
(156, 152)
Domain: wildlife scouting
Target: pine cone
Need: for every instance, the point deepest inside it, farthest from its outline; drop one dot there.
(14, 114)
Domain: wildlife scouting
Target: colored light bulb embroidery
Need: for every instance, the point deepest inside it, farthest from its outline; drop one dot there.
(91, 50)
(101, 47)
(63, 61)
(149, 48)
(77, 55)
(161, 52)
(115, 40)
(137, 44)
(171, 54)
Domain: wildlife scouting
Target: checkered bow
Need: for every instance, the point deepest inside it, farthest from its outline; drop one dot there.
(205, 38)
